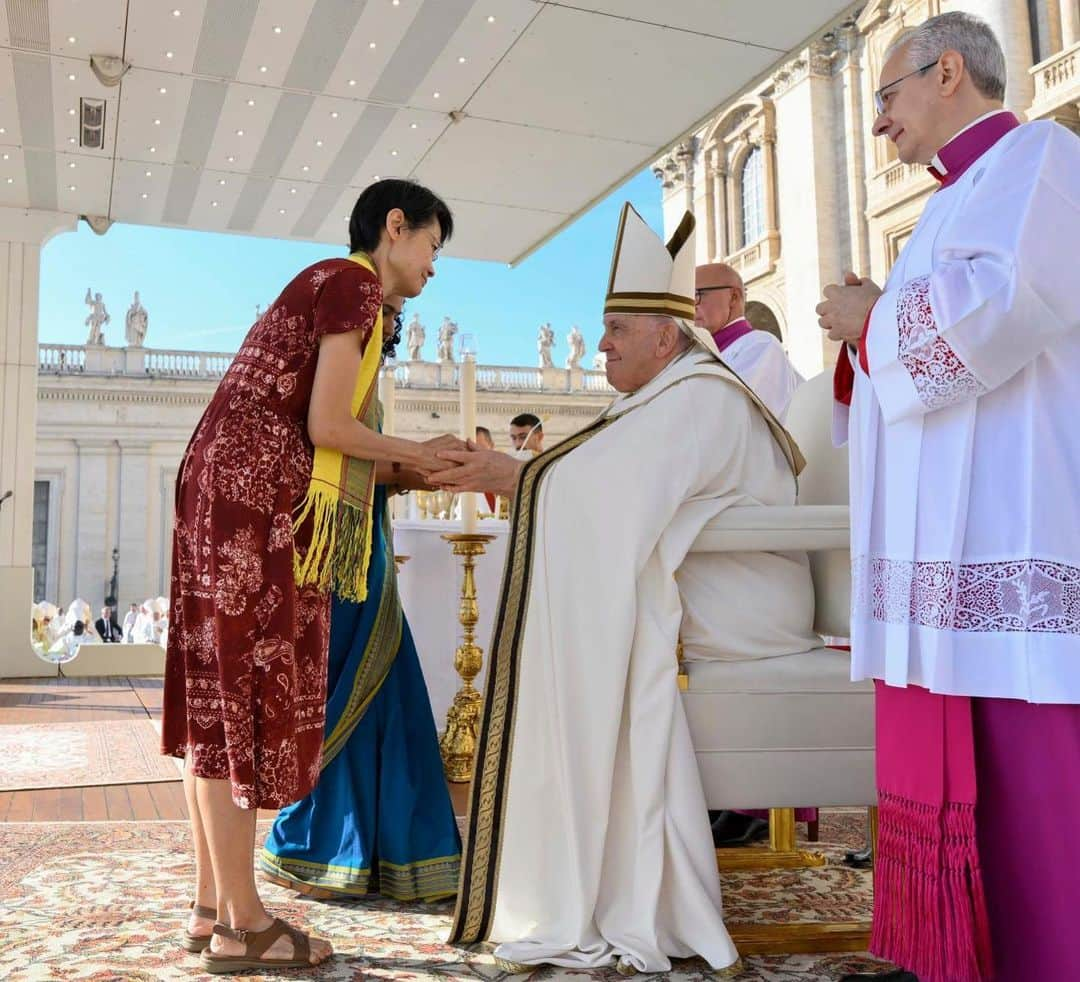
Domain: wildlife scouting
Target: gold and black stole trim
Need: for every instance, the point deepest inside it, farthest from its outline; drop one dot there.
(491, 769)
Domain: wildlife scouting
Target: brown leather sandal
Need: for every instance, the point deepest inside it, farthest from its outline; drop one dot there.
(256, 943)
(196, 942)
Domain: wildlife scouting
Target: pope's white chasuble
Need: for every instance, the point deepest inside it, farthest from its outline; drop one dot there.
(588, 836)
(965, 448)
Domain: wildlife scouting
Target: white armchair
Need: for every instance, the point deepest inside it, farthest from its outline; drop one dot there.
(791, 730)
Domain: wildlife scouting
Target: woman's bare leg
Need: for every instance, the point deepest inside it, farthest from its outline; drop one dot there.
(230, 835)
(205, 894)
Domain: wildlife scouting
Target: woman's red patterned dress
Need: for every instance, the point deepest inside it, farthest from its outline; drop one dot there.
(245, 670)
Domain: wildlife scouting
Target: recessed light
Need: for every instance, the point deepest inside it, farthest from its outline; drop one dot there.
(144, 195)
(157, 122)
(7, 156)
(11, 180)
(435, 94)
(491, 18)
(376, 177)
(318, 143)
(412, 126)
(352, 81)
(213, 204)
(71, 112)
(168, 54)
(292, 190)
(395, 3)
(221, 180)
(251, 102)
(162, 90)
(393, 153)
(281, 211)
(305, 168)
(176, 13)
(71, 139)
(71, 187)
(277, 30)
(153, 149)
(148, 173)
(2, 130)
(239, 132)
(262, 68)
(230, 159)
(371, 44)
(71, 77)
(461, 60)
(71, 164)
(71, 40)
(334, 114)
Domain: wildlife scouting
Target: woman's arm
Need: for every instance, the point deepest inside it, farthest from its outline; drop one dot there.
(330, 421)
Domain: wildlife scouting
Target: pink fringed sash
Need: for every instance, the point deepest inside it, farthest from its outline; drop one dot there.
(930, 912)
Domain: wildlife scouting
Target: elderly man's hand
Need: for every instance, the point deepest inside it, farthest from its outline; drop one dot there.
(843, 311)
(445, 442)
(476, 469)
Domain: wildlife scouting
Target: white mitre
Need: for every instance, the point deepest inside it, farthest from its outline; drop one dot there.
(649, 277)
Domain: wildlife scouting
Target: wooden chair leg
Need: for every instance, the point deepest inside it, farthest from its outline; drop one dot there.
(812, 831)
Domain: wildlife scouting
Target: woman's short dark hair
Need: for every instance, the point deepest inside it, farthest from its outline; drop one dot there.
(377, 200)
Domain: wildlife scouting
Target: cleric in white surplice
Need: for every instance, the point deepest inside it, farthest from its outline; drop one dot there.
(588, 842)
(965, 543)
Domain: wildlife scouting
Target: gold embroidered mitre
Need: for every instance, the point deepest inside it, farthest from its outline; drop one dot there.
(648, 277)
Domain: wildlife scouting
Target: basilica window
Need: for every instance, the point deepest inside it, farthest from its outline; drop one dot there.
(752, 185)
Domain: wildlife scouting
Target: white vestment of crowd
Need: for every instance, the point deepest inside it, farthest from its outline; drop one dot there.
(606, 851)
(965, 453)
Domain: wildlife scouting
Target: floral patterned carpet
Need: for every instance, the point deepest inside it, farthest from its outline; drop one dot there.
(106, 901)
(66, 755)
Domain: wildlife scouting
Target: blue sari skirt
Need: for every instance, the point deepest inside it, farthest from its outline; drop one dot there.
(379, 820)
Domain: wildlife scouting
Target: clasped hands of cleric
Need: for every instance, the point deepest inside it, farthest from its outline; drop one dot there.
(843, 311)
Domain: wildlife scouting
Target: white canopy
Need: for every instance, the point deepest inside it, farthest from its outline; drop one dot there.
(266, 118)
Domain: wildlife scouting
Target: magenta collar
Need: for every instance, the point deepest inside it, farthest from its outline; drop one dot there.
(969, 145)
(730, 333)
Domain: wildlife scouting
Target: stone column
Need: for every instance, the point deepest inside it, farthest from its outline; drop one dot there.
(93, 546)
(855, 144)
(768, 176)
(1010, 22)
(1070, 23)
(806, 161)
(133, 533)
(22, 234)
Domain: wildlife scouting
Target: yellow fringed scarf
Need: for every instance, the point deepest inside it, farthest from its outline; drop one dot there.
(339, 498)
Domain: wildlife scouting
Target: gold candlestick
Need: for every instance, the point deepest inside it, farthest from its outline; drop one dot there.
(458, 742)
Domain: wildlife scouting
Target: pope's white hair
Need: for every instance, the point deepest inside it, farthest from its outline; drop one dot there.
(958, 31)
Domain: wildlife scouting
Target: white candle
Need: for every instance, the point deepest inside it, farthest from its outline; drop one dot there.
(467, 390)
(387, 394)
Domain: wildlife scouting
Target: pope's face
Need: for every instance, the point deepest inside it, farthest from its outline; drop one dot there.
(630, 344)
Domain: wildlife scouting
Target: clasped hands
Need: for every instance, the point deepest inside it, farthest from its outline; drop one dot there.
(460, 465)
(843, 311)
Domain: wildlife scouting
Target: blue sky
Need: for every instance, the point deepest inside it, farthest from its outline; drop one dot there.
(201, 288)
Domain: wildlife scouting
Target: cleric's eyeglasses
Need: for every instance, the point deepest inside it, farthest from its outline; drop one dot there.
(879, 95)
(702, 290)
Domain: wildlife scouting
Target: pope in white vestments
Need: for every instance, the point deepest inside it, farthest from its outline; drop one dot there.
(958, 394)
(588, 842)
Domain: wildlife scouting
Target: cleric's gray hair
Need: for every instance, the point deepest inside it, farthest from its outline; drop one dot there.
(958, 31)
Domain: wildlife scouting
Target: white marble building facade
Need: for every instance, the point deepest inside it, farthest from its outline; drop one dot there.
(113, 423)
(790, 188)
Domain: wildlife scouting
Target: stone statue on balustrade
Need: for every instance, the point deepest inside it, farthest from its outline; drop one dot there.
(575, 341)
(136, 323)
(599, 361)
(447, 330)
(545, 340)
(415, 335)
(97, 318)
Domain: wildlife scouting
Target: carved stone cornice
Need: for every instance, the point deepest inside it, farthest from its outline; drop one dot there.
(814, 61)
